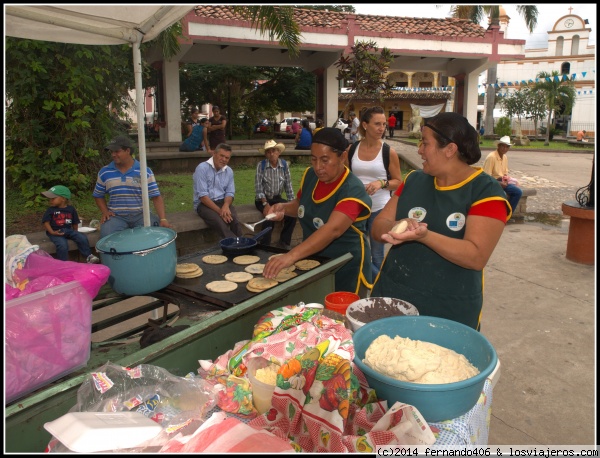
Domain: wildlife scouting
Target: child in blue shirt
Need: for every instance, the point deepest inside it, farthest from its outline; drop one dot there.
(61, 221)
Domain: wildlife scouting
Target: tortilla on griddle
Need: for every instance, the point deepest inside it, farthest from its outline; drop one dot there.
(238, 277)
(214, 259)
(221, 286)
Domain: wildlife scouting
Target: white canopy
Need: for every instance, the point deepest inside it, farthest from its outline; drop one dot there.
(99, 25)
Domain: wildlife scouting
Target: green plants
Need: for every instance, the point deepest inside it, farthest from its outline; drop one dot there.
(503, 127)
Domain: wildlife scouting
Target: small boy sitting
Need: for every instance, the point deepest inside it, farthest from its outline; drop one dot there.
(60, 221)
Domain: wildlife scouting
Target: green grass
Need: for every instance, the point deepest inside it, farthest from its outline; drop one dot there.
(176, 190)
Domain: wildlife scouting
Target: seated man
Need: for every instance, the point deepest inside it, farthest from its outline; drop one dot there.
(121, 182)
(214, 190)
(496, 165)
(272, 179)
(581, 136)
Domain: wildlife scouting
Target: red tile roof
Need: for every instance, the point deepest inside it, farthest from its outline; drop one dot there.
(447, 27)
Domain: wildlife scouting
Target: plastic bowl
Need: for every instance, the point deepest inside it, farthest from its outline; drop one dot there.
(436, 402)
(340, 300)
(400, 308)
(262, 393)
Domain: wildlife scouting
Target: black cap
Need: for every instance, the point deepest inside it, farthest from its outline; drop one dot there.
(333, 137)
(119, 142)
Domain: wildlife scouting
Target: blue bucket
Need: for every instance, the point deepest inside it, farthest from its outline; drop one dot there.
(436, 402)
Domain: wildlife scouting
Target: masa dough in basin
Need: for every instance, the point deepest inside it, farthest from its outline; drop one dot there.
(417, 361)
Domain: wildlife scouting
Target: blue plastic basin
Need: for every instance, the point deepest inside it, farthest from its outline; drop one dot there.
(436, 402)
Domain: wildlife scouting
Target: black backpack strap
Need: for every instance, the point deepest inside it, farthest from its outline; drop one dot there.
(386, 159)
(351, 153)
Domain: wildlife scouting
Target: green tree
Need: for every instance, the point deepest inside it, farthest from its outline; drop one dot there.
(559, 93)
(476, 13)
(277, 21)
(282, 89)
(503, 127)
(57, 112)
(364, 71)
(515, 105)
(535, 105)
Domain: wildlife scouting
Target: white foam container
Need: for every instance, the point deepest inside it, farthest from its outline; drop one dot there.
(88, 432)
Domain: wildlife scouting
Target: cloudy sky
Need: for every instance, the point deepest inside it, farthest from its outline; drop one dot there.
(548, 15)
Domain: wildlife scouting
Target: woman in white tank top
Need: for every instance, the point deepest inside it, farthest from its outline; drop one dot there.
(368, 165)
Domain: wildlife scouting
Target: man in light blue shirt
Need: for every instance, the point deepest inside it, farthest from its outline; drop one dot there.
(214, 190)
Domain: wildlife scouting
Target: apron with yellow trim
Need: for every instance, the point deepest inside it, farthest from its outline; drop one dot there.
(313, 214)
(414, 272)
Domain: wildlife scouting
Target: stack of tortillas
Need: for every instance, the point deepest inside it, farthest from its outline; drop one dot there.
(259, 284)
(214, 259)
(239, 277)
(286, 274)
(188, 270)
(307, 264)
(221, 286)
(246, 259)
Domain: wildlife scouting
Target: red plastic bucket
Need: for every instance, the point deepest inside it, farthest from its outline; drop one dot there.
(340, 300)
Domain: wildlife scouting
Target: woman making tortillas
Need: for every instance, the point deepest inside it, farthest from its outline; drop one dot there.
(453, 216)
(332, 207)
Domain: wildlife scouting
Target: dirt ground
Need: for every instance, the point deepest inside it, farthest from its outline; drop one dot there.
(25, 224)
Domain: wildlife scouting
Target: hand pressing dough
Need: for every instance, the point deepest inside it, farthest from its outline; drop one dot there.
(417, 361)
(400, 227)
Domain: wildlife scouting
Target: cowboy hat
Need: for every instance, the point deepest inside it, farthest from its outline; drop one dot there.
(505, 140)
(272, 144)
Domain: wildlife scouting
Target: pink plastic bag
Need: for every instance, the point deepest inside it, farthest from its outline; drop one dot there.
(40, 264)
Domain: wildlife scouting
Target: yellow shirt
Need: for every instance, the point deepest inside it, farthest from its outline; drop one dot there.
(496, 166)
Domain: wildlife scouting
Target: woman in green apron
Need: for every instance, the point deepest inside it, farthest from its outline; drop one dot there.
(455, 213)
(332, 207)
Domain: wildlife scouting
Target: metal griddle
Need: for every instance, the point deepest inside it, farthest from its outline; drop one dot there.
(196, 287)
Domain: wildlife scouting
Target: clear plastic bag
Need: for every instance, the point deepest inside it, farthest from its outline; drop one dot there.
(178, 404)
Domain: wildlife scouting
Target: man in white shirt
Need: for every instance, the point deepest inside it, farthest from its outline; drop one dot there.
(354, 123)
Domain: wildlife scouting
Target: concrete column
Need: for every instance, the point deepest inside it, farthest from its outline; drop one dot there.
(409, 76)
(330, 101)
(436, 79)
(470, 97)
(172, 109)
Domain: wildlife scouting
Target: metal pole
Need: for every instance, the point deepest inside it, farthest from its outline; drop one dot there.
(139, 98)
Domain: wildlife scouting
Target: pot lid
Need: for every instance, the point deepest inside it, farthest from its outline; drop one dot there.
(136, 239)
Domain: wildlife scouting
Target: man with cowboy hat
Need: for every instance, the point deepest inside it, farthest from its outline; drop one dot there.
(496, 165)
(272, 179)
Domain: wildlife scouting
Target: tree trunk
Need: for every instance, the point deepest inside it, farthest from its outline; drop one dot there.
(490, 101)
(547, 142)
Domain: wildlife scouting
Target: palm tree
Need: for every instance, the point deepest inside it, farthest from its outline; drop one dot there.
(476, 13)
(277, 21)
(558, 95)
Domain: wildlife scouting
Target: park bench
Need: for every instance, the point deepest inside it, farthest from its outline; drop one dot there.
(193, 234)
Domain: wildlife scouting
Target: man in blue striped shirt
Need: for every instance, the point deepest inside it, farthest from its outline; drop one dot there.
(214, 190)
(121, 182)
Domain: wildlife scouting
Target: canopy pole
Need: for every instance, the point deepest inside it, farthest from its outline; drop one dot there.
(140, 102)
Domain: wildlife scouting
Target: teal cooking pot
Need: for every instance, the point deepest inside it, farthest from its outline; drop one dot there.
(141, 260)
